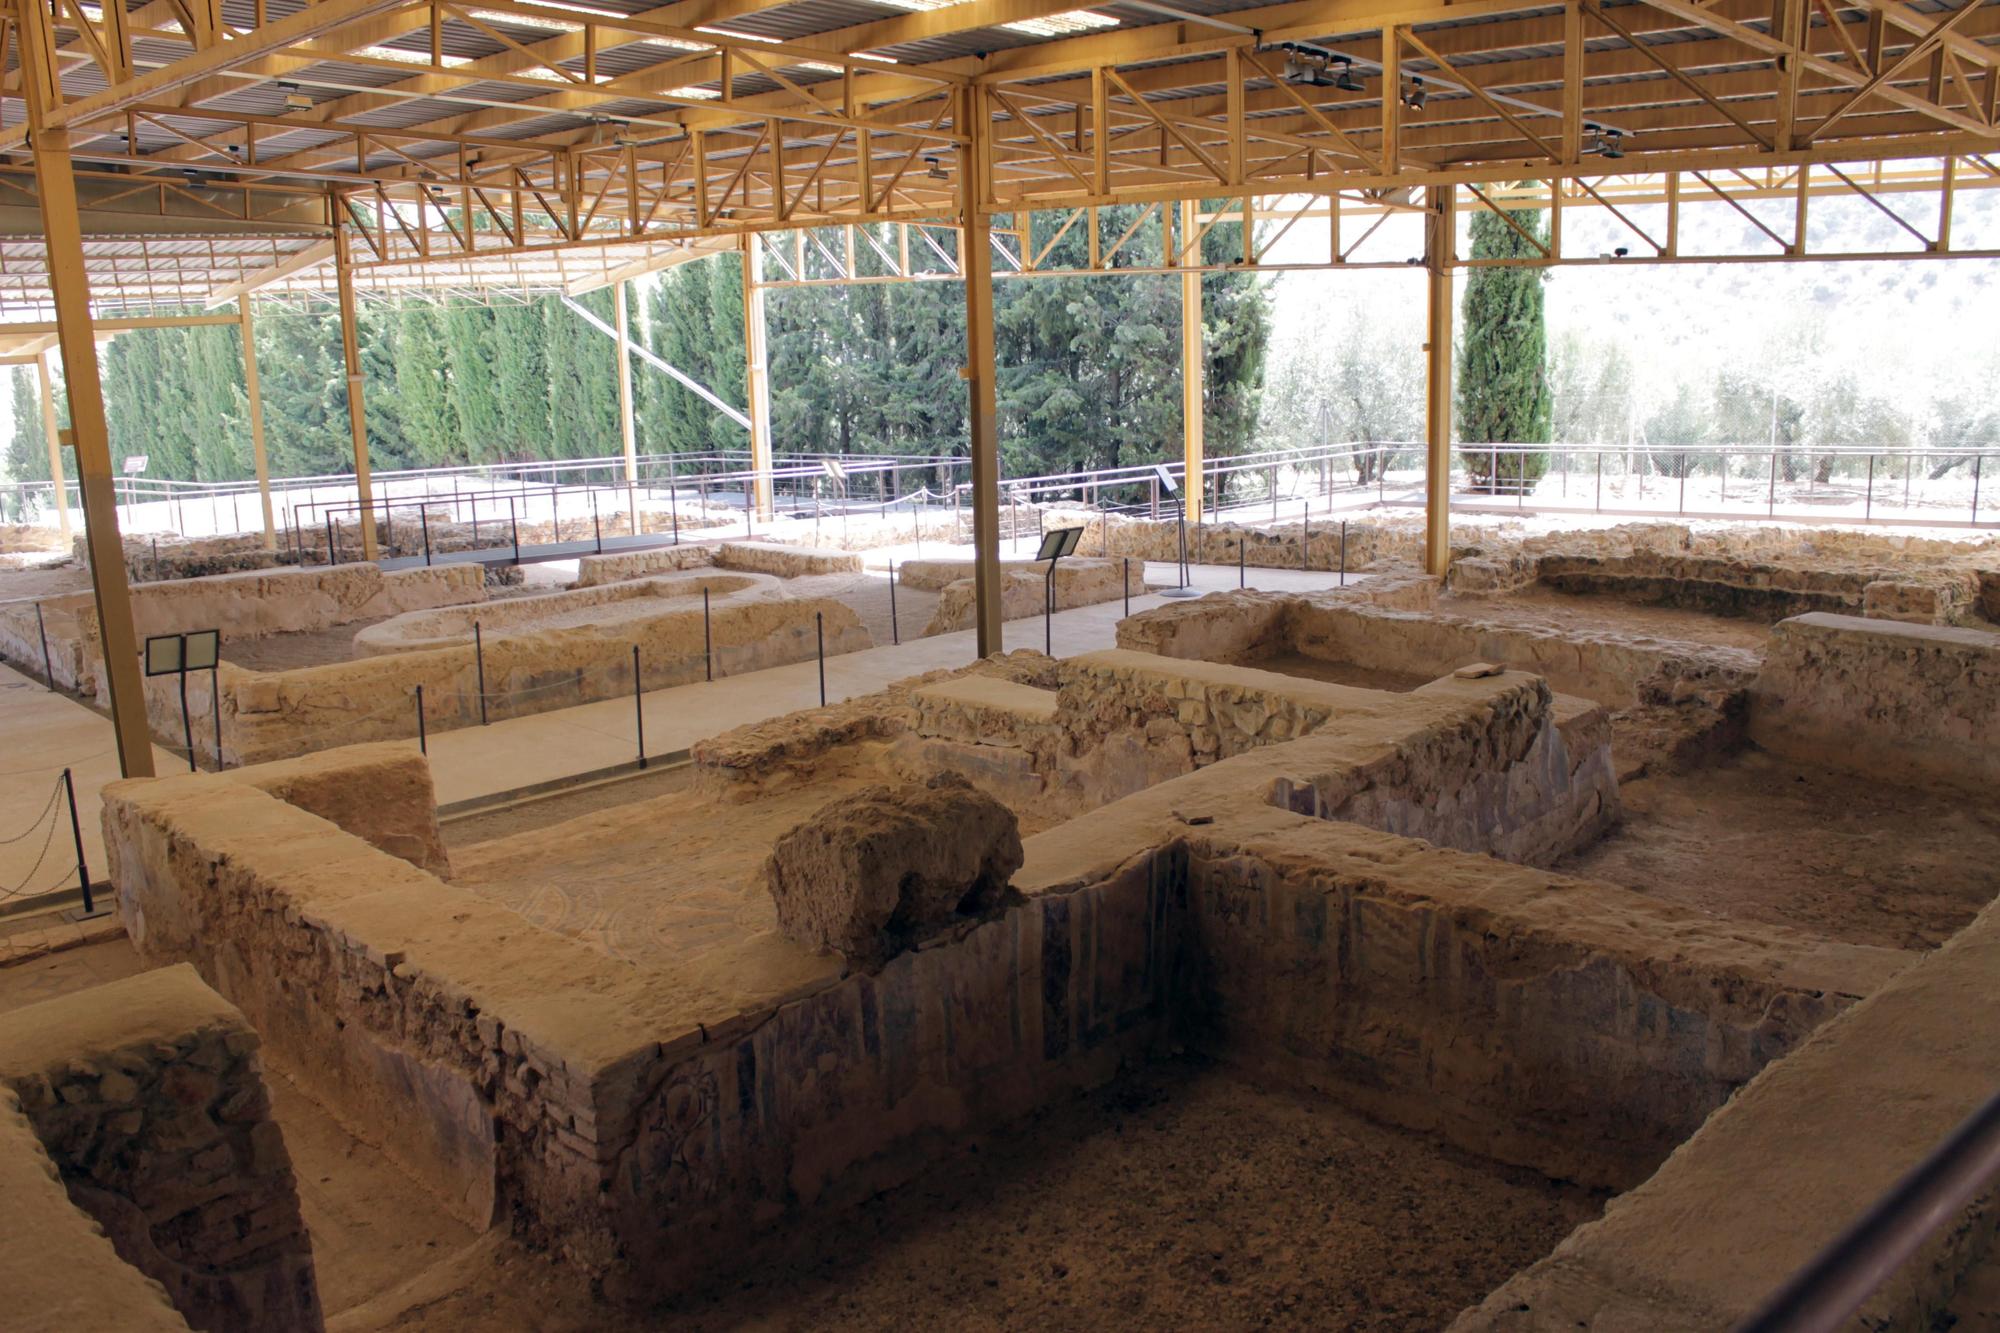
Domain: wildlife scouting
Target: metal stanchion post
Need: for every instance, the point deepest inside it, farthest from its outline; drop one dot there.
(332, 551)
(638, 706)
(1306, 538)
(479, 662)
(895, 637)
(1125, 583)
(76, 834)
(596, 527)
(48, 668)
(187, 725)
(514, 525)
(1343, 553)
(1049, 611)
(707, 636)
(819, 632)
(1868, 504)
(215, 700)
(1242, 555)
(424, 520)
(423, 739)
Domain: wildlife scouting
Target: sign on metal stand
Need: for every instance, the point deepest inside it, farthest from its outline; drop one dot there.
(1055, 545)
(1165, 480)
(178, 654)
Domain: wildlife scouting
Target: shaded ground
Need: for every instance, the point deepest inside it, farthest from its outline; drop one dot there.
(467, 831)
(372, 1227)
(1338, 673)
(1757, 839)
(304, 648)
(1182, 1196)
(1569, 614)
(34, 581)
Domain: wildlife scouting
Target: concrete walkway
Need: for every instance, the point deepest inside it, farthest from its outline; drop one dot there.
(41, 733)
(523, 752)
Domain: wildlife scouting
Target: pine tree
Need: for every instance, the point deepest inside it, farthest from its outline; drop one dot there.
(423, 393)
(1503, 386)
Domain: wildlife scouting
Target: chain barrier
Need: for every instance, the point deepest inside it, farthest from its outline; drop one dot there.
(47, 816)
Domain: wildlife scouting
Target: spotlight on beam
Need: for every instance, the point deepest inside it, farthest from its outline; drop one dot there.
(934, 167)
(1415, 95)
(1348, 82)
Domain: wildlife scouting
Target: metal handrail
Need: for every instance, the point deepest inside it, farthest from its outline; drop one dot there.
(1823, 1296)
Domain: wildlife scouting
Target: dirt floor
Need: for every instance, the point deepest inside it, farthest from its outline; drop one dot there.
(34, 576)
(1755, 839)
(302, 648)
(1570, 614)
(1179, 1196)
(526, 816)
(1337, 673)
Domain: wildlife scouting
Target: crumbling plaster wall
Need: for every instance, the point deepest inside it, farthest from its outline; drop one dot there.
(148, 1096)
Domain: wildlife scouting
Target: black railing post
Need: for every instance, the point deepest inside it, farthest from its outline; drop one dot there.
(1343, 553)
(638, 706)
(819, 632)
(424, 520)
(1125, 583)
(479, 662)
(332, 551)
(187, 724)
(1242, 556)
(707, 636)
(596, 524)
(1049, 611)
(423, 738)
(48, 668)
(215, 697)
(76, 834)
(514, 524)
(895, 636)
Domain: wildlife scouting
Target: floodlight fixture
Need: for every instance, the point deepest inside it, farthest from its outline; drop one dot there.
(1415, 94)
(1349, 81)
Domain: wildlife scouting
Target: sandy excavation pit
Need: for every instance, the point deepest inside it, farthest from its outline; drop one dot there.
(1365, 945)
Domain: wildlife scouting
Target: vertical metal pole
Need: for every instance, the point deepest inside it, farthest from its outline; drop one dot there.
(976, 263)
(357, 420)
(514, 526)
(757, 383)
(707, 636)
(1343, 553)
(1049, 612)
(1977, 459)
(1125, 583)
(479, 662)
(53, 435)
(1597, 505)
(596, 528)
(819, 633)
(638, 706)
(332, 551)
(424, 520)
(1193, 360)
(1441, 244)
(423, 737)
(215, 695)
(187, 724)
(1180, 521)
(1242, 555)
(1868, 505)
(253, 395)
(76, 836)
(48, 668)
(1306, 537)
(628, 435)
(69, 284)
(1771, 498)
(895, 636)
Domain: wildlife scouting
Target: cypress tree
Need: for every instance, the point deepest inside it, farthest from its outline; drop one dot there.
(474, 384)
(1503, 384)
(521, 384)
(423, 395)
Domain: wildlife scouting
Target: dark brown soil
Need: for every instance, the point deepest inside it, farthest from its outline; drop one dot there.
(1756, 839)
(1182, 1196)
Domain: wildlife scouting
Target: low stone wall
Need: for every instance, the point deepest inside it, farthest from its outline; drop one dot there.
(1912, 703)
(785, 562)
(655, 1123)
(381, 793)
(617, 566)
(1776, 1174)
(273, 715)
(59, 1270)
(241, 606)
(1612, 668)
(1567, 1026)
(1024, 591)
(147, 1094)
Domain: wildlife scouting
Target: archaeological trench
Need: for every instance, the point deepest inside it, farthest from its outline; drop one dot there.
(1578, 941)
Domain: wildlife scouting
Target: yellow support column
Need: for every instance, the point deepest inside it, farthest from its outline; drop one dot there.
(254, 395)
(69, 283)
(54, 434)
(975, 261)
(757, 383)
(1192, 361)
(627, 431)
(1440, 243)
(357, 419)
